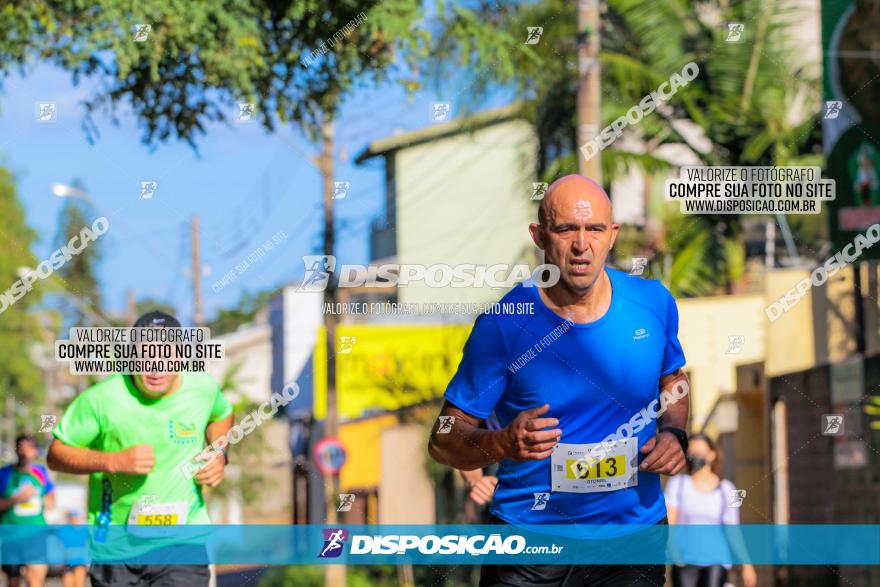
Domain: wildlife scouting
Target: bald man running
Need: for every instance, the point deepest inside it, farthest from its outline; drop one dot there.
(616, 349)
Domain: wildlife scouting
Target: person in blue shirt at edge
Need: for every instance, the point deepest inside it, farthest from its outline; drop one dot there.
(615, 353)
(26, 492)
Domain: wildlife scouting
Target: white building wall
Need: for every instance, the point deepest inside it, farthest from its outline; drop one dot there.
(465, 199)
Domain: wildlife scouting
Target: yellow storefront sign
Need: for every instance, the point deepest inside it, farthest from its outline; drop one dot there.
(387, 367)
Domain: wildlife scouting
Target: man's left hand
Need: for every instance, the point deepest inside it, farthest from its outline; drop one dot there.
(664, 455)
(212, 473)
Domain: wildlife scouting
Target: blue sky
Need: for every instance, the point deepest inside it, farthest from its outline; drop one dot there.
(244, 184)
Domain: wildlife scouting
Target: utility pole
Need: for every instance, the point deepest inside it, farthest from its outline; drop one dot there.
(588, 96)
(196, 272)
(770, 246)
(132, 309)
(334, 575)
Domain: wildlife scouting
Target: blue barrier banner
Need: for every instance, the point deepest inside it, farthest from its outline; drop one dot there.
(443, 544)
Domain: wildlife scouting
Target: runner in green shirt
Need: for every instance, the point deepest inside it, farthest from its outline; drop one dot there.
(26, 491)
(133, 434)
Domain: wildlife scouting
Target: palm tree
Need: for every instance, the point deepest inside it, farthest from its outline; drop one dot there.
(749, 105)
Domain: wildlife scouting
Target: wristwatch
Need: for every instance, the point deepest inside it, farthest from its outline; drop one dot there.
(680, 434)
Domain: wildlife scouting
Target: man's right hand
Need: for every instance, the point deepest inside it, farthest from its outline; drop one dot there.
(135, 460)
(525, 438)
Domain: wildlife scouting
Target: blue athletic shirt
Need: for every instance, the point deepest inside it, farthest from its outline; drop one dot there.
(595, 377)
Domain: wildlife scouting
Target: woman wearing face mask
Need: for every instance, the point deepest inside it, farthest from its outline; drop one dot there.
(702, 497)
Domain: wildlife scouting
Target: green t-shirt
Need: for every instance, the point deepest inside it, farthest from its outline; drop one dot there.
(12, 481)
(114, 415)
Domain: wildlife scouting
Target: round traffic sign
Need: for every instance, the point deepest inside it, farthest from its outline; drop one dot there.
(329, 455)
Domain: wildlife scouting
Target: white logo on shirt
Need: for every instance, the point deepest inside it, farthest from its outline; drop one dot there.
(640, 334)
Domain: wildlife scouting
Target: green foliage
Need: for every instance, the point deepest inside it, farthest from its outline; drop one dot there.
(78, 276)
(293, 576)
(144, 305)
(229, 319)
(250, 453)
(737, 98)
(193, 46)
(748, 100)
(296, 61)
(20, 329)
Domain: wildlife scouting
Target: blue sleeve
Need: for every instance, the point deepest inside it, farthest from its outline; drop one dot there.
(481, 377)
(673, 356)
(5, 474)
(49, 485)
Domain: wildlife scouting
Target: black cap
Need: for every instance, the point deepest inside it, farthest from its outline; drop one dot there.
(157, 318)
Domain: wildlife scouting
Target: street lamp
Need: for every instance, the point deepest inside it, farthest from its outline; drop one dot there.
(63, 190)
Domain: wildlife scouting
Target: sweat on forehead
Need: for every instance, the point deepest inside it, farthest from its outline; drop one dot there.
(582, 186)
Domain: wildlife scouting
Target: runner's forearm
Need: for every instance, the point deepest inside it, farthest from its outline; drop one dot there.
(5, 504)
(471, 477)
(219, 429)
(70, 459)
(677, 410)
(467, 447)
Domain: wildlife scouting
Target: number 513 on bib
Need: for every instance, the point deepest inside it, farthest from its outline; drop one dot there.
(600, 469)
